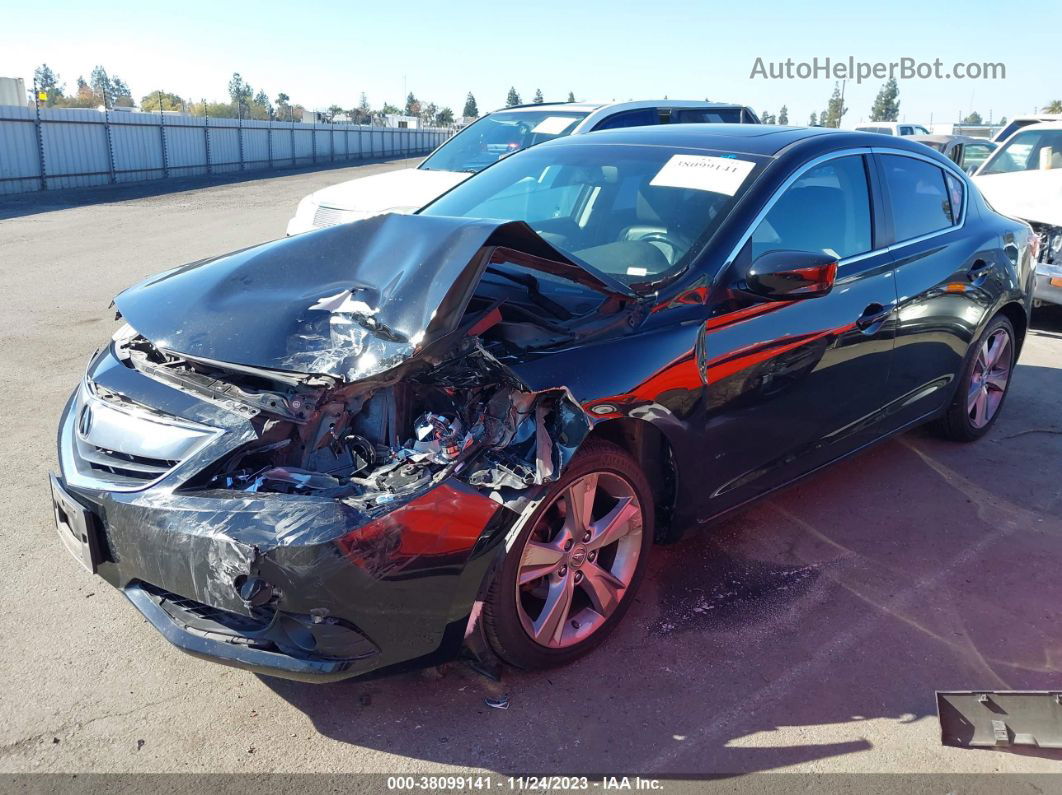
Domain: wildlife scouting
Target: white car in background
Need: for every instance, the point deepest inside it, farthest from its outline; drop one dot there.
(892, 128)
(1023, 179)
(487, 140)
(1017, 123)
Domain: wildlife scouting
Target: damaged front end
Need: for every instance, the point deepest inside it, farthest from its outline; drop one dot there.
(303, 459)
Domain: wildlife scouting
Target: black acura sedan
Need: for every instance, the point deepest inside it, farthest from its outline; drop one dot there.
(381, 442)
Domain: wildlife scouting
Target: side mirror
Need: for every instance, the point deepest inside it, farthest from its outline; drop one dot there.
(788, 275)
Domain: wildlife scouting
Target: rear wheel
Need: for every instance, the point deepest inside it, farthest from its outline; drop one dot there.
(570, 575)
(984, 386)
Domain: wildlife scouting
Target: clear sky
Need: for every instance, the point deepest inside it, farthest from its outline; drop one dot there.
(324, 52)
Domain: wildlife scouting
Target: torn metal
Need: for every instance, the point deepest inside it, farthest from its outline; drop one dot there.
(352, 301)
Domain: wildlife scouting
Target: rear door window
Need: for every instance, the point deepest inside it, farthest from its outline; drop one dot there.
(918, 196)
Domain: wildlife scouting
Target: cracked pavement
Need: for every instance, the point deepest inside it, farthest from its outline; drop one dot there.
(808, 633)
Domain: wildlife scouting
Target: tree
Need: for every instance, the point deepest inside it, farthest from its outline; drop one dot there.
(783, 115)
(428, 114)
(973, 117)
(445, 117)
(1002, 121)
(362, 114)
(471, 110)
(835, 108)
(332, 112)
(161, 100)
(262, 106)
(1055, 106)
(765, 117)
(538, 100)
(284, 111)
(886, 105)
(412, 105)
(814, 120)
(513, 99)
(571, 96)
(47, 81)
(121, 95)
(240, 92)
(100, 83)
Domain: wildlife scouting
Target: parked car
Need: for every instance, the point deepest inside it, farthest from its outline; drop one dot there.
(485, 141)
(1023, 179)
(968, 153)
(1019, 122)
(892, 128)
(469, 425)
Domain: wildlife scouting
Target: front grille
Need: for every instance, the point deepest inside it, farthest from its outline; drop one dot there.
(331, 216)
(1049, 243)
(118, 446)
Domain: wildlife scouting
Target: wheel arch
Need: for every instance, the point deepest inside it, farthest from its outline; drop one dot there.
(651, 450)
(1015, 313)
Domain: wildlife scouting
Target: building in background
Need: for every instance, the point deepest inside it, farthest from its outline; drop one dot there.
(13, 91)
(402, 122)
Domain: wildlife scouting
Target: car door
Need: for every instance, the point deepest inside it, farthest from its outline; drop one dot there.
(795, 384)
(974, 154)
(947, 278)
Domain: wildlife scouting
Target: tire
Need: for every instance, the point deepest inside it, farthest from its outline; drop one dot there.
(964, 422)
(555, 570)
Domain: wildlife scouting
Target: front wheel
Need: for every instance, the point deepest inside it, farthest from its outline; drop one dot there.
(984, 385)
(570, 575)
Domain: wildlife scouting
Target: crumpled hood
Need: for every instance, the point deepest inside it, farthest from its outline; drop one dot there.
(350, 301)
(405, 190)
(1028, 195)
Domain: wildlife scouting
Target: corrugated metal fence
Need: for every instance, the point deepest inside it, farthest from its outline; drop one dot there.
(56, 148)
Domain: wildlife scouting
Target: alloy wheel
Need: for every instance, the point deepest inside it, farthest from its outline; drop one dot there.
(579, 560)
(991, 373)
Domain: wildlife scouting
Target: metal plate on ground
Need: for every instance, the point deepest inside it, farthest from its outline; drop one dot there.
(1000, 718)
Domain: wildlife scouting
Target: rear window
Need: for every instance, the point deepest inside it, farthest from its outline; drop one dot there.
(918, 196)
(643, 117)
(706, 116)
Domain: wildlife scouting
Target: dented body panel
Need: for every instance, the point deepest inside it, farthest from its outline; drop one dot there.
(349, 301)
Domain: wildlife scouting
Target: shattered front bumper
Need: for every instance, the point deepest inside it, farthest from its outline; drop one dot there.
(295, 586)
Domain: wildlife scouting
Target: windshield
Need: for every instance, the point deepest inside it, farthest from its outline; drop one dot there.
(500, 134)
(638, 213)
(1029, 150)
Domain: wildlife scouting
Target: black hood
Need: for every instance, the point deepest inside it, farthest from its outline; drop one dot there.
(350, 301)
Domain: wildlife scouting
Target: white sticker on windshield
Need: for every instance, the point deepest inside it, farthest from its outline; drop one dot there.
(553, 125)
(704, 172)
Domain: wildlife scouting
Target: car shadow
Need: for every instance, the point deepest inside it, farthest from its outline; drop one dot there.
(36, 202)
(812, 628)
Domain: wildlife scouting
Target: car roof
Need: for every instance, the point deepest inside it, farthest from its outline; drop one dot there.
(1043, 125)
(1044, 116)
(946, 139)
(616, 106)
(752, 139)
(890, 124)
